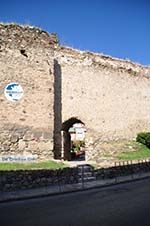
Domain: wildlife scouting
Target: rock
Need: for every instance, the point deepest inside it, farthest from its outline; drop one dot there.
(21, 145)
(37, 135)
(45, 146)
(7, 142)
(5, 147)
(28, 136)
(14, 139)
(33, 146)
(7, 186)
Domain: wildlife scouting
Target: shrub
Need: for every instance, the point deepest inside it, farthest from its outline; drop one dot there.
(144, 138)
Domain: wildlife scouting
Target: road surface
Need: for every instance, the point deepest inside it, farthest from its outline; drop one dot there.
(121, 205)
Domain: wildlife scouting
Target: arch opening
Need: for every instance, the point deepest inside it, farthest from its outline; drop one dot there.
(73, 140)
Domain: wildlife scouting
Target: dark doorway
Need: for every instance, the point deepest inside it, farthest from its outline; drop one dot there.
(73, 139)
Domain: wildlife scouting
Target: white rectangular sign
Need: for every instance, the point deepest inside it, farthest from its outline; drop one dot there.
(18, 158)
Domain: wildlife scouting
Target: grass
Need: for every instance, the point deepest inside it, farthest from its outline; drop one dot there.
(31, 166)
(141, 152)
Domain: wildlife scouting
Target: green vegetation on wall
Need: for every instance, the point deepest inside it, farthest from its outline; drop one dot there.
(144, 138)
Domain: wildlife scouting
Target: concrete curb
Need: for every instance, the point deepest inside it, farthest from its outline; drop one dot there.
(68, 188)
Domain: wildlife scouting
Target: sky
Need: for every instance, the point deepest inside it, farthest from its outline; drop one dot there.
(120, 28)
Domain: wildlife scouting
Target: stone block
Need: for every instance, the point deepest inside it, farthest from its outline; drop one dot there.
(20, 132)
(14, 139)
(5, 147)
(37, 135)
(47, 136)
(21, 145)
(28, 136)
(7, 142)
(33, 146)
(43, 146)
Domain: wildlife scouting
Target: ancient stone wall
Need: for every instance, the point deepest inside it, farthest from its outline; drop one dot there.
(109, 95)
(26, 57)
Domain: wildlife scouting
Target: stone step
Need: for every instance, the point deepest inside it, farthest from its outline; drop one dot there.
(85, 174)
(85, 168)
(86, 179)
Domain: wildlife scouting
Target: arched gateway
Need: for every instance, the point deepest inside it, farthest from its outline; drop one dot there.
(73, 139)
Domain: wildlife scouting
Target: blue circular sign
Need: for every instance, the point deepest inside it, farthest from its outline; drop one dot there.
(13, 92)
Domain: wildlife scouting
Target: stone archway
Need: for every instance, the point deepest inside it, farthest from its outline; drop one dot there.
(67, 137)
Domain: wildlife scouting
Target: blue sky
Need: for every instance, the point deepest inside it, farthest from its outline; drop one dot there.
(120, 28)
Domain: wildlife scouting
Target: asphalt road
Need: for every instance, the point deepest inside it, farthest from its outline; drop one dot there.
(120, 205)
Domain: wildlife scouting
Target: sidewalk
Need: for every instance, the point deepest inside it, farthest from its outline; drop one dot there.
(60, 189)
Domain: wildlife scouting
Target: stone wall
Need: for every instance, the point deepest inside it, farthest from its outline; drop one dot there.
(109, 95)
(123, 170)
(26, 57)
(26, 179)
